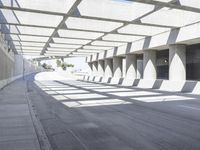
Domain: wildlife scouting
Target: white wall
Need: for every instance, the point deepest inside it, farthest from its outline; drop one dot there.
(11, 65)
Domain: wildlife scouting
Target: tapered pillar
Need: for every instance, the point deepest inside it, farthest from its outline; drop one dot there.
(101, 68)
(117, 67)
(108, 67)
(94, 68)
(177, 62)
(90, 68)
(149, 65)
(139, 69)
(131, 65)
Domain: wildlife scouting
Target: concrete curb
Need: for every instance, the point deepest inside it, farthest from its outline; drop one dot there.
(41, 135)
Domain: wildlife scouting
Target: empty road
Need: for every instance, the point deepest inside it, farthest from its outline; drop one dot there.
(78, 115)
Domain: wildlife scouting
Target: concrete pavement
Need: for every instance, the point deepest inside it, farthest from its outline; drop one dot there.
(78, 115)
(87, 116)
(16, 127)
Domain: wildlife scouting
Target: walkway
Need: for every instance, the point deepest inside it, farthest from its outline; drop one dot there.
(87, 116)
(16, 127)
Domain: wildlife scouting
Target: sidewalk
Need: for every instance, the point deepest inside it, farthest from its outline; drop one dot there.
(16, 127)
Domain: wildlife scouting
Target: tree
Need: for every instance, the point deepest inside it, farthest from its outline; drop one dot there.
(44, 65)
(49, 67)
(58, 62)
(64, 66)
(70, 65)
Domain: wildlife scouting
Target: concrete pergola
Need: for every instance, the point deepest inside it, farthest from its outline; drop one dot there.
(144, 85)
(86, 27)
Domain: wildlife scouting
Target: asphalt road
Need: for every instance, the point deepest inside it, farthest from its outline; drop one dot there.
(78, 115)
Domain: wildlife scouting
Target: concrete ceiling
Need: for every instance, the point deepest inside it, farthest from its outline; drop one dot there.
(84, 27)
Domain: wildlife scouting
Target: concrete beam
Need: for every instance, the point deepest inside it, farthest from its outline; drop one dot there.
(174, 4)
(157, 42)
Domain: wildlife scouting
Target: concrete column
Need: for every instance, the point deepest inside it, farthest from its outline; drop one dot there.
(90, 68)
(131, 64)
(139, 69)
(149, 65)
(101, 68)
(95, 68)
(108, 67)
(117, 67)
(124, 67)
(177, 62)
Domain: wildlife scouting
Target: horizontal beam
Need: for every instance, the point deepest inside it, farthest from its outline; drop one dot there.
(158, 5)
(172, 4)
(70, 44)
(27, 25)
(77, 30)
(72, 9)
(26, 41)
(31, 10)
(120, 21)
(116, 29)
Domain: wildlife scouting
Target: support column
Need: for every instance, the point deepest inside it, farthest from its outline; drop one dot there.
(131, 65)
(108, 67)
(95, 68)
(101, 68)
(177, 62)
(139, 68)
(149, 65)
(90, 68)
(117, 67)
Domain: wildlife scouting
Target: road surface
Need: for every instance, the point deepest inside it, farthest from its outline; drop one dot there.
(78, 115)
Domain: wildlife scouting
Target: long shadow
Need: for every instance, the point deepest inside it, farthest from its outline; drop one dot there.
(146, 89)
(158, 106)
(114, 120)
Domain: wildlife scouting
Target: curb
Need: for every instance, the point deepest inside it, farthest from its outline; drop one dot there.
(41, 135)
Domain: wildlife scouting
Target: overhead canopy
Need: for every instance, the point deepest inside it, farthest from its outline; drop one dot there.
(83, 27)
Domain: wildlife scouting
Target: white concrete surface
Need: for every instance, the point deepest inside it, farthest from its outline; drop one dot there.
(177, 62)
(149, 65)
(95, 68)
(139, 69)
(101, 68)
(108, 67)
(117, 67)
(131, 66)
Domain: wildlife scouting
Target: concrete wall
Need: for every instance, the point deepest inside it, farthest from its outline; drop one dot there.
(11, 65)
